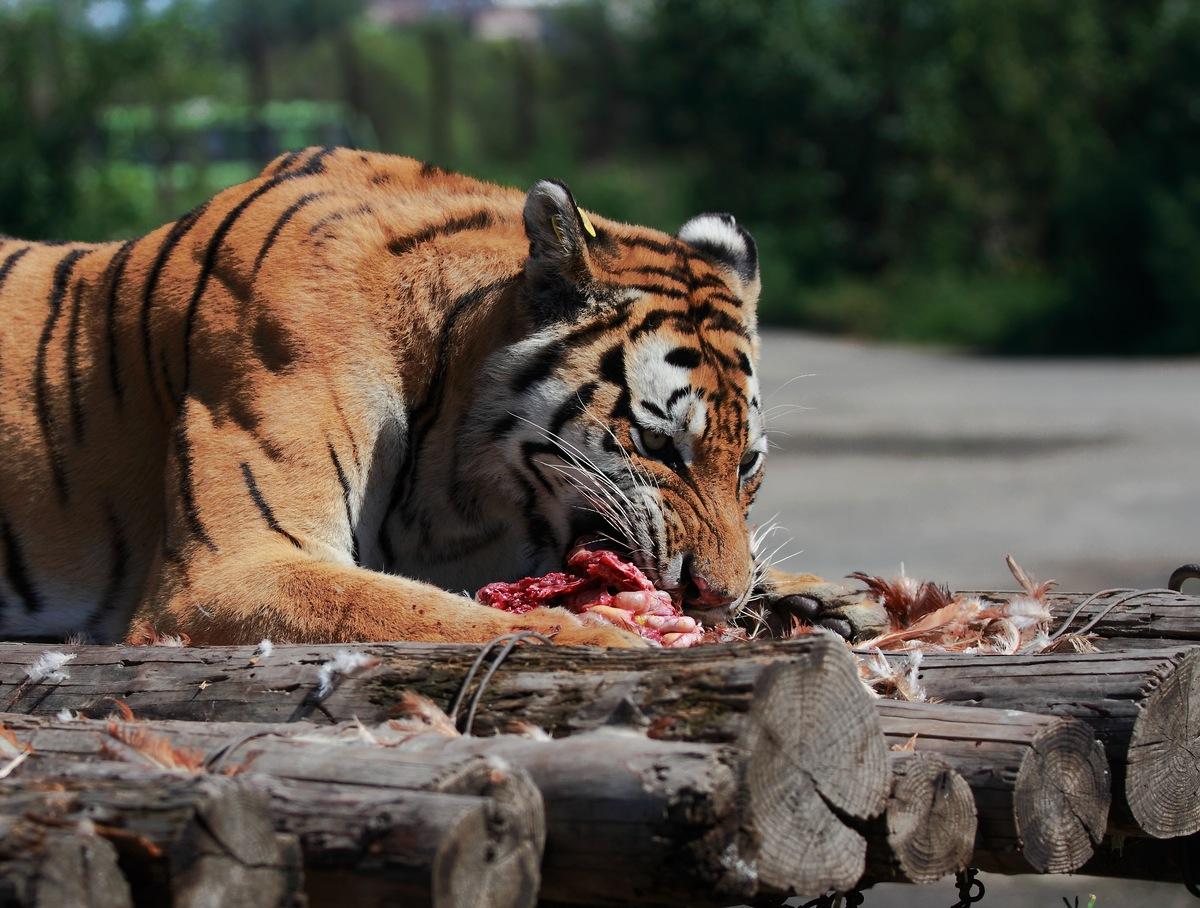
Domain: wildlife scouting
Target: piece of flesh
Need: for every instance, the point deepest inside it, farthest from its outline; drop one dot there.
(599, 582)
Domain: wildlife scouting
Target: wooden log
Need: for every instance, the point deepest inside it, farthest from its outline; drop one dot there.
(375, 846)
(179, 840)
(798, 706)
(463, 830)
(1040, 783)
(928, 829)
(1154, 619)
(687, 823)
(1143, 706)
(56, 867)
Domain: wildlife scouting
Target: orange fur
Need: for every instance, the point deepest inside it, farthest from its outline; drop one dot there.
(196, 423)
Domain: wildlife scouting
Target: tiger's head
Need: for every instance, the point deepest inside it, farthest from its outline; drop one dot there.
(630, 414)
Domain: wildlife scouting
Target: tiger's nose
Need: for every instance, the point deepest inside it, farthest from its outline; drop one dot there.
(699, 592)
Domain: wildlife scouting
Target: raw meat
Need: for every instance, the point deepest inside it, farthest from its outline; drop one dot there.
(599, 582)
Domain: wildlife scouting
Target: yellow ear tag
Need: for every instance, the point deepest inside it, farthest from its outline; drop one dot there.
(587, 224)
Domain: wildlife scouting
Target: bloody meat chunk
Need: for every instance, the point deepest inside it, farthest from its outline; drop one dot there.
(599, 582)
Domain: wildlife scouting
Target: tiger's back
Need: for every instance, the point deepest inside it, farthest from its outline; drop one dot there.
(98, 343)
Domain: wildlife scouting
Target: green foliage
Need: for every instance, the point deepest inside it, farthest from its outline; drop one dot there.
(1016, 176)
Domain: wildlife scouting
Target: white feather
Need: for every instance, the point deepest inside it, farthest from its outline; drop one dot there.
(47, 667)
(344, 662)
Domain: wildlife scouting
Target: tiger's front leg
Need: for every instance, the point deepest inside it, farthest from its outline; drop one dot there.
(808, 599)
(260, 546)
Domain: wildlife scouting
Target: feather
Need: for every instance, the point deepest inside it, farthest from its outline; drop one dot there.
(882, 677)
(9, 745)
(48, 667)
(1033, 589)
(153, 749)
(264, 649)
(422, 714)
(344, 662)
(523, 729)
(905, 599)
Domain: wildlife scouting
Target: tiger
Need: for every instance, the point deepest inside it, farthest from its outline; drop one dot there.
(332, 401)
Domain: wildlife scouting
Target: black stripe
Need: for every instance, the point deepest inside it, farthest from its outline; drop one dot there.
(337, 407)
(74, 383)
(176, 233)
(612, 365)
(116, 574)
(431, 170)
(676, 395)
(674, 274)
(10, 262)
(288, 160)
(116, 271)
(573, 406)
(187, 492)
(502, 426)
(744, 363)
(529, 449)
(345, 484)
(670, 247)
(315, 165)
(724, 296)
(58, 289)
(280, 223)
(422, 417)
(685, 357)
(340, 215)
(479, 220)
(539, 366)
(652, 408)
(652, 321)
(263, 508)
(17, 571)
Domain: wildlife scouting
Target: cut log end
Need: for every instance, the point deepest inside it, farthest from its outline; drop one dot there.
(485, 863)
(931, 818)
(814, 747)
(1163, 781)
(62, 868)
(508, 871)
(1062, 796)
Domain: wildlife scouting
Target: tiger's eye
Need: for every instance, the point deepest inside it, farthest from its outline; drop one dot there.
(655, 441)
(748, 462)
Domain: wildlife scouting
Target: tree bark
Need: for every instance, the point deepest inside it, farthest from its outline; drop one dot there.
(387, 827)
(1040, 783)
(179, 840)
(686, 823)
(928, 829)
(1143, 706)
(797, 707)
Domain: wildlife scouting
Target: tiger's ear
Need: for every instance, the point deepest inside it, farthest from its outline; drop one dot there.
(720, 237)
(559, 236)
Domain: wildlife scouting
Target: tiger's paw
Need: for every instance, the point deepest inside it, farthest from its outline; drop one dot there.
(807, 600)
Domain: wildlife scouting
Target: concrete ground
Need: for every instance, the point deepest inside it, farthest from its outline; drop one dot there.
(1088, 471)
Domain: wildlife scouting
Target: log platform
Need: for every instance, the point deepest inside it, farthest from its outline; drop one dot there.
(734, 774)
